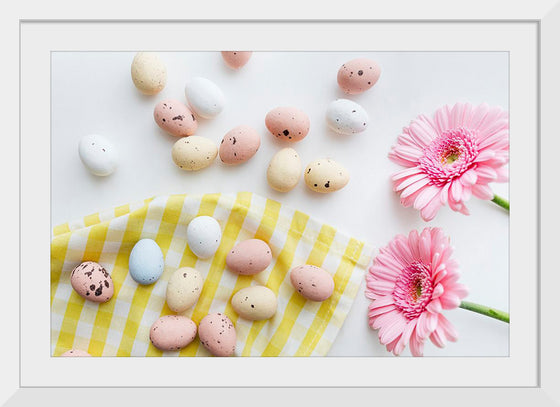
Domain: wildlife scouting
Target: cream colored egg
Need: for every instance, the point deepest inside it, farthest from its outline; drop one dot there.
(284, 170)
(194, 153)
(326, 175)
(183, 289)
(255, 303)
(149, 73)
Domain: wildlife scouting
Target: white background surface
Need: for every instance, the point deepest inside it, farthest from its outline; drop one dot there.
(93, 93)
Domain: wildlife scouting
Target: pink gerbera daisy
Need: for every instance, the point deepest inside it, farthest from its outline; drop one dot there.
(451, 157)
(410, 282)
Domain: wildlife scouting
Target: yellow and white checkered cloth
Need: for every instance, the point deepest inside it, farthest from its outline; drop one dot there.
(121, 326)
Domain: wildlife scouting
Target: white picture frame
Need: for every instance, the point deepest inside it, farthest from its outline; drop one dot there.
(543, 16)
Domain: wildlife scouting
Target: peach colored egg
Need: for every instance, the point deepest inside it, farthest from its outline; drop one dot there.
(249, 257)
(92, 282)
(172, 332)
(175, 118)
(312, 282)
(287, 123)
(217, 334)
(236, 59)
(75, 353)
(239, 145)
(358, 75)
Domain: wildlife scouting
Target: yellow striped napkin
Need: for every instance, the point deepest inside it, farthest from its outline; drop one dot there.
(121, 326)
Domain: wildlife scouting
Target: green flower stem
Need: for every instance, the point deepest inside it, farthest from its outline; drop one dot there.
(504, 203)
(484, 310)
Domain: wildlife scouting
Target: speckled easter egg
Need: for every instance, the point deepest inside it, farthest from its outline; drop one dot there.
(75, 353)
(346, 117)
(236, 59)
(249, 257)
(183, 289)
(149, 73)
(284, 170)
(145, 263)
(175, 118)
(92, 282)
(205, 98)
(98, 155)
(239, 145)
(312, 282)
(204, 235)
(255, 303)
(217, 334)
(287, 123)
(358, 75)
(194, 153)
(325, 175)
(172, 332)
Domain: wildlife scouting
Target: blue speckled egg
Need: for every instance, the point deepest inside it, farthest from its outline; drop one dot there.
(145, 263)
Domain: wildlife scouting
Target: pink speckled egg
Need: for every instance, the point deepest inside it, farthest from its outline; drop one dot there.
(239, 145)
(92, 282)
(358, 75)
(312, 282)
(287, 123)
(236, 59)
(75, 353)
(249, 257)
(217, 334)
(172, 332)
(175, 118)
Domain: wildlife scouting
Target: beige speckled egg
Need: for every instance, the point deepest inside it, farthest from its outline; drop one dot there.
(236, 59)
(284, 170)
(287, 123)
(175, 118)
(325, 175)
(358, 75)
(92, 282)
(75, 353)
(312, 282)
(172, 332)
(255, 303)
(249, 257)
(149, 73)
(194, 153)
(183, 289)
(217, 334)
(239, 145)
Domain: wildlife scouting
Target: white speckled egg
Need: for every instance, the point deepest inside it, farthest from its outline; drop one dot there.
(205, 97)
(194, 153)
(172, 332)
(312, 282)
(203, 236)
(149, 73)
(347, 117)
(92, 282)
(98, 155)
(145, 263)
(217, 334)
(284, 170)
(183, 289)
(255, 303)
(326, 175)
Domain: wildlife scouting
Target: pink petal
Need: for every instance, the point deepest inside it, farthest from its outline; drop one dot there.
(434, 306)
(438, 291)
(449, 300)
(482, 191)
(430, 211)
(456, 191)
(448, 329)
(405, 173)
(416, 344)
(425, 196)
(405, 337)
(438, 338)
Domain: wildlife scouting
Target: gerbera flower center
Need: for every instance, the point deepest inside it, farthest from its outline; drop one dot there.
(449, 155)
(413, 290)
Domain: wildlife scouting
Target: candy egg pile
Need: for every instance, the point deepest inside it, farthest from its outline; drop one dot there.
(191, 151)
